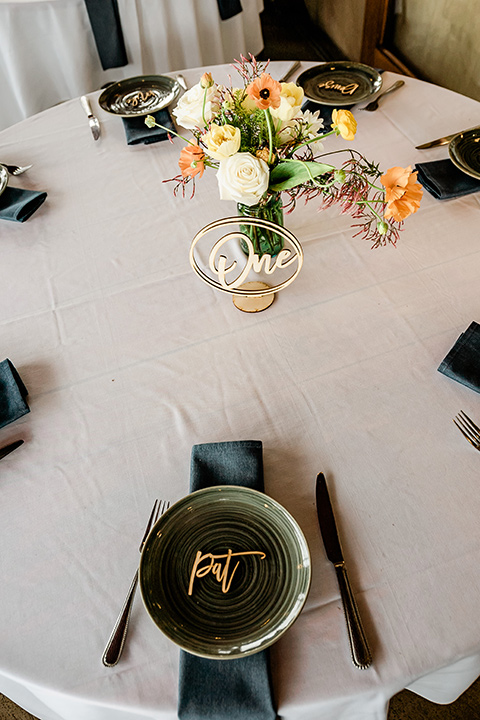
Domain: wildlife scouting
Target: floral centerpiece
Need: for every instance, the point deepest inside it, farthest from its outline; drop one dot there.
(268, 154)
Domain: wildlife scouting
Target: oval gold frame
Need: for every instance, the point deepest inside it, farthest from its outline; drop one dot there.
(259, 222)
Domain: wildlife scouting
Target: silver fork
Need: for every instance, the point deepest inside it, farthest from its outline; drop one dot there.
(16, 169)
(115, 644)
(374, 104)
(468, 429)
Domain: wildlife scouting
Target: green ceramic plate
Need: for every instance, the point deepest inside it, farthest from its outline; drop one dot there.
(464, 152)
(225, 572)
(340, 83)
(139, 96)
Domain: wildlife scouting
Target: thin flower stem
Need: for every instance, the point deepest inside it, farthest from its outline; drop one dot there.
(203, 106)
(172, 132)
(270, 136)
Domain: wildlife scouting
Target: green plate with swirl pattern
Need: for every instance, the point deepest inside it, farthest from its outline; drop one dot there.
(464, 152)
(225, 572)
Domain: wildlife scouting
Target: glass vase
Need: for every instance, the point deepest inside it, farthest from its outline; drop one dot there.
(263, 240)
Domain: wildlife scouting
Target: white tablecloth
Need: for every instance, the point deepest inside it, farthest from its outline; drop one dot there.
(48, 52)
(130, 359)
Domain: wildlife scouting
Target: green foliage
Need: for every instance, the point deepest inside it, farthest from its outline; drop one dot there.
(290, 173)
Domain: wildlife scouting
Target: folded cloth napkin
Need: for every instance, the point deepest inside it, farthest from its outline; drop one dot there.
(17, 205)
(462, 363)
(229, 8)
(12, 394)
(444, 180)
(237, 689)
(104, 18)
(137, 132)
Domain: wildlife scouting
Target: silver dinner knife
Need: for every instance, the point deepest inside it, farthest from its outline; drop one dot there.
(93, 121)
(360, 651)
(290, 71)
(443, 140)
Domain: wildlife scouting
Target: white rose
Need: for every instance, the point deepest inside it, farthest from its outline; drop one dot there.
(243, 178)
(190, 112)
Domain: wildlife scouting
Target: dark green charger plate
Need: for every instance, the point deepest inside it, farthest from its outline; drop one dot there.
(464, 152)
(139, 96)
(218, 613)
(340, 83)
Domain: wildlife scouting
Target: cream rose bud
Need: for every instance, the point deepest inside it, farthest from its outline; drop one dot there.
(291, 98)
(243, 178)
(222, 141)
(190, 112)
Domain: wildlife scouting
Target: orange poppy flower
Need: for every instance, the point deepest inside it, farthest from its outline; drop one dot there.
(402, 193)
(191, 161)
(265, 91)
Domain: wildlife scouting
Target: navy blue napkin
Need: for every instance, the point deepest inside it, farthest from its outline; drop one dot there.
(229, 8)
(12, 394)
(137, 132)
(17, 205)
(462, 363)
(237, 689)
(444, 180)
(104, 18)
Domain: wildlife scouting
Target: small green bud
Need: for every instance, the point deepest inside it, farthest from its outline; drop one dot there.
(340, 176)
(382, 227)
(150, 121)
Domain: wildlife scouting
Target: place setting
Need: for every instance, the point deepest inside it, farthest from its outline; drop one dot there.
(17, 204)
(224, 573)
(135, 98)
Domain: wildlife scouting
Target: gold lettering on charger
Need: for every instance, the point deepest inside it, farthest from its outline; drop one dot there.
(213, 565)
(344, 89)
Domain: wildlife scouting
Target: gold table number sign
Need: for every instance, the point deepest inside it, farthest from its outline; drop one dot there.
(231, 275)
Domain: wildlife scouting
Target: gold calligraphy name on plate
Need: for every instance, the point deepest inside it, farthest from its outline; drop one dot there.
(344, 89)
(231, 275)
(139, 97)
(213, 564)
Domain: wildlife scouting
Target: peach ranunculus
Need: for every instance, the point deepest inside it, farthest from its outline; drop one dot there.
(265, 91)
(222, 141)
(344, 124)
(291, 98)
(191, 161)
(402, 193)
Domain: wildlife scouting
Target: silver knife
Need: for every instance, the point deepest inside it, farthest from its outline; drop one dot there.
(93, 121)
(360, 651)
(443, 140)
(290, 71)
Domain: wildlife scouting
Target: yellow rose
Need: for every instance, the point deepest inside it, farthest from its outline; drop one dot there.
(222, 141)
(344, 124)
(291, 98)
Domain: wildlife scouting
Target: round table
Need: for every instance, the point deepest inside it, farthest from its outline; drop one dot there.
(48, 52)
(130, 360)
